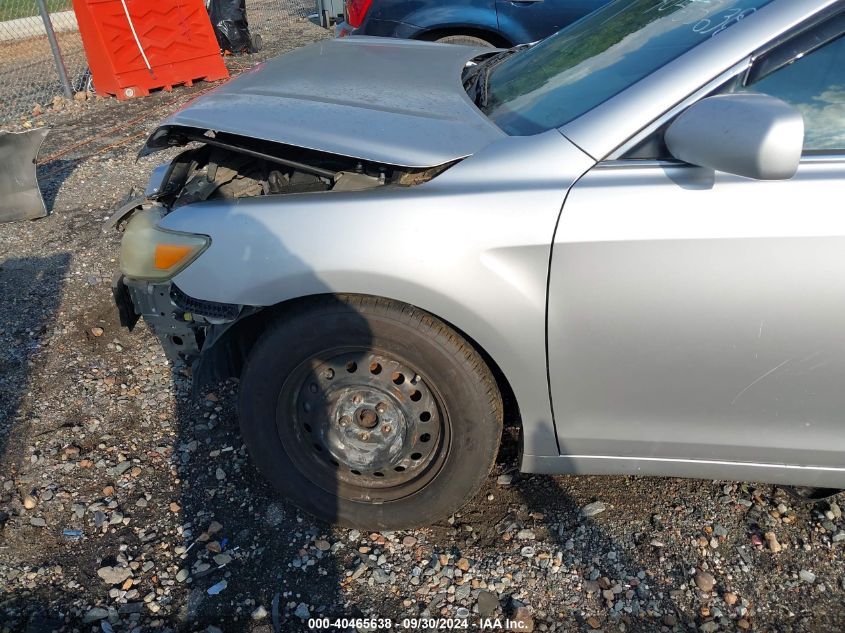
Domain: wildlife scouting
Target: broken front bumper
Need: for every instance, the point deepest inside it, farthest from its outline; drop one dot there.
(169, 313)
(197, 332)
(20, 197)
(190, 330)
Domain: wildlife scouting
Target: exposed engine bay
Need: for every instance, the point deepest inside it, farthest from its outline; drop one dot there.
(227, 166)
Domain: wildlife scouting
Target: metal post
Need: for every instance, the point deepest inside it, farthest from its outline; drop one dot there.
(54, 46)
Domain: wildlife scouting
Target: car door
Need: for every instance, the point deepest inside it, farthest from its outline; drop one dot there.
(526, 21)
(695, 317)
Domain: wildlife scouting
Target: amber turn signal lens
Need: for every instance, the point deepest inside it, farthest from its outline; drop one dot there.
(168, 255)
(150, 252)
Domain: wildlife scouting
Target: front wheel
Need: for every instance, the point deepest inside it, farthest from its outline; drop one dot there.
(369, 413)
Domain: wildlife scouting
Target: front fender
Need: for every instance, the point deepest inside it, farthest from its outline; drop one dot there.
(471, 246)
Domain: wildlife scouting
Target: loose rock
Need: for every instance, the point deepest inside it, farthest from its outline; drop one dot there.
(95, 614)
(594, 508)
(487, 603)
(772, 542)
(705, 581)
(522, 620)
(259, 613)
(807, 576)
(113, 575)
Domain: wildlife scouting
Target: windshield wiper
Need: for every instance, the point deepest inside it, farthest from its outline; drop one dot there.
(477, 77)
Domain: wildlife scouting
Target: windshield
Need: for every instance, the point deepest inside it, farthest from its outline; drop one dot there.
(596, 58)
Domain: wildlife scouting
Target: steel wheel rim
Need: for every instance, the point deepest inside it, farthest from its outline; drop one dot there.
(363, 424)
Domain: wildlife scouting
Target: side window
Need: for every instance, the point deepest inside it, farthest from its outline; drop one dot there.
(814, 84)
(810, 79)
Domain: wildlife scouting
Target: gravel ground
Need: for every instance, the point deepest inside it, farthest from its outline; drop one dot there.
(126, 506)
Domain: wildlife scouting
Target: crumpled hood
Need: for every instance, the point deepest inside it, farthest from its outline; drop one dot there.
(383, 100)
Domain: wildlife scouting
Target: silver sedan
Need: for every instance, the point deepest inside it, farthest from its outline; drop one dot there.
(627, 238)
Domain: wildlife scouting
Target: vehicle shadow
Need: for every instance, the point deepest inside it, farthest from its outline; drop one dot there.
(538, 560)
(51, 177)
(630, 550)
(254, 560)
(31, 288)
(614, 584)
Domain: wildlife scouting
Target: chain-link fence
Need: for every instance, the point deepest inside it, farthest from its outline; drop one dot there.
(31, 65)
(271, 19)
(29, 77)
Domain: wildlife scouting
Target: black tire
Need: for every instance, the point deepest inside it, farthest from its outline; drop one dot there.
(312, 343)
(464, 40)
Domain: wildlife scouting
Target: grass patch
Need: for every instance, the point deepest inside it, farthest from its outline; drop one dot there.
(11, 9)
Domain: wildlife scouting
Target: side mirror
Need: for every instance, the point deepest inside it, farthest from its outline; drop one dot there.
(751, 135)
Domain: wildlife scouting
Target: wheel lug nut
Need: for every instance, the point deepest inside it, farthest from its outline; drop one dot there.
(381, 407)
(356, 399)
(328, 374)
(385, 428)
(344, 420)
(364, 436)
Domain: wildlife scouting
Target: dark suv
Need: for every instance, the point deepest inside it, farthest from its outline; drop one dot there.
(500, 23)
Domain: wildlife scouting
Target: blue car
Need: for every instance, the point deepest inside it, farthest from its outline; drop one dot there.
(500, 23)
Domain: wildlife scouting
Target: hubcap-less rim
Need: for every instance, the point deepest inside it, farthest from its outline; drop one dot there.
(363, 425)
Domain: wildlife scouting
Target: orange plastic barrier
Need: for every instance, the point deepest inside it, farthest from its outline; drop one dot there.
(134, 46)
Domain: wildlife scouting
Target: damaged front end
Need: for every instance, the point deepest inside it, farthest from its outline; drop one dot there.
(149, 259)
(218, 166)
(187, 327)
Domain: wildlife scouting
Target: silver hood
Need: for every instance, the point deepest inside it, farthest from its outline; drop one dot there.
(399, 102)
